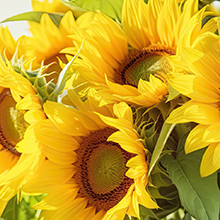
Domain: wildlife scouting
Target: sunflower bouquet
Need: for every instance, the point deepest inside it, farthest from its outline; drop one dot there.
(110, 111)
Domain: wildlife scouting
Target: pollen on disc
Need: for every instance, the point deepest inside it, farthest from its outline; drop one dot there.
(100, 170)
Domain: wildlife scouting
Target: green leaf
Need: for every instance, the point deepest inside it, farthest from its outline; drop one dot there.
(164, 135)
(35, 16)
(146, 214)
(199, 196)
(11, 210)
(21, 211)
(112, 8)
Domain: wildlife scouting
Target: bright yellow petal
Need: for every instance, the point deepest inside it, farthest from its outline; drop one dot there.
(211, 133)
(194, 111)
(8, 160)
(181, 82)
(122, 110)
(29, 138)
(117, 123)
(66, 119)
(132, 23)
(48, 6)
(7, 42)
(210, 160)
(134, 207)
(137, 167)
(49, 173)
(33, 116)
(29, 102)
(61, 194)
(48, 135)
(99, 215)
(119, 211)
(196, 140)
(143, 197)
(127, 143)
(58, 156)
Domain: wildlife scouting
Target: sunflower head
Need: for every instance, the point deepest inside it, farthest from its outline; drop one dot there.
(108, 159)
(19, 109)
(45, 44)
(131, 62)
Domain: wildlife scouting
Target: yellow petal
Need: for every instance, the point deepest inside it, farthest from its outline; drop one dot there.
(196, 139)
(58, 156)
(48, 174)
(211, 133)
(23, 146)
(122, 110)
(75, 208)
(137, 167)
(33, 116)
(210, 160)
(194, 111)
(132, 23)
(181, 82)
(127, 143)
(26, 164)
(134, 206)
(57, 196)
(117, 123)
(30, 101)
(66, 119)
(143, 196)
(48, 135)
(99, 215)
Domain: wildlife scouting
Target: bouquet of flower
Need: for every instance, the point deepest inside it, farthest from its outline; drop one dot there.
(111, 110)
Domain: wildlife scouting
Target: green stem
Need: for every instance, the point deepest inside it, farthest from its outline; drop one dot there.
(163, 137)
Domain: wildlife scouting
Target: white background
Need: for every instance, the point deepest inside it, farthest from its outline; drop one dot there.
(12, 7)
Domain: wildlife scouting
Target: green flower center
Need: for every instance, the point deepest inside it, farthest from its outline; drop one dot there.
(141, 64)
(100, 170)
(12, 123)
(106, 168)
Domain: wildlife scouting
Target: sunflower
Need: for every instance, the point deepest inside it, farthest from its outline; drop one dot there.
(48, 6)
(108, 162)
(130, 63)
(47, 42)
(20, 108)
(201, 85)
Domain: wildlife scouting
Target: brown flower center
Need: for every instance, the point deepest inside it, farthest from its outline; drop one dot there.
(140, 64)
(100, 170)
(12, 123)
